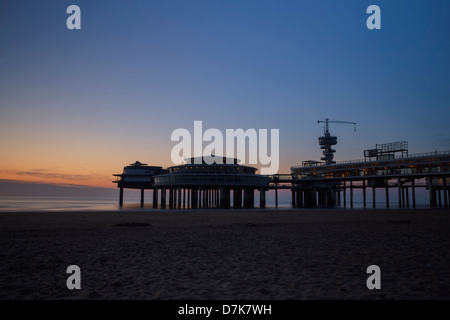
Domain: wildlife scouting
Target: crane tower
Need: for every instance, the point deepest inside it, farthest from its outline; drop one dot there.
(327, 140)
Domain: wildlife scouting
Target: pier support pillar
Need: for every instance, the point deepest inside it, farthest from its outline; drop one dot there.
(293, 197)
(314, 197)
(210, 198)
(387, 197)
(217, 198)
(201, 198)
(194, 198)
(249, 201)
(276, 196)
(407, 197)
(163, 198)
(364, 193)
(121, 197)
(170, 198)
(174, 198)
(403, 198)
(189, 200)
(224, 197)
(322, 195)
(142, 198)
(413, 193)
(155, 198)
(309, 198)
(331, 196)
(399, 187)
(431, 191)
(374, 197)
(240, 198)
(351, 194)
(439, 197)
(237, 198)
(179, 197)
(299, 198)
(344, 194)
(262, 198)
(197, 197)
(444, 188)
(205, 198)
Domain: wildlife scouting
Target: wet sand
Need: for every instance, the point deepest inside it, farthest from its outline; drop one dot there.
(226, 254)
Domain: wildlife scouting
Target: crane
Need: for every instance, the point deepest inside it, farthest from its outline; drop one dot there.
(326, 121)
(327, 140)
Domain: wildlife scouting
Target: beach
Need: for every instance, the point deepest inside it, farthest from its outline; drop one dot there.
(226, 254)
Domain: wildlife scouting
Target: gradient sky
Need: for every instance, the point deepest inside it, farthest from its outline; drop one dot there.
(76, 106)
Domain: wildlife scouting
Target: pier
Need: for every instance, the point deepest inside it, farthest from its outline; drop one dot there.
(198, 184)
(312, 184)
(335, 183)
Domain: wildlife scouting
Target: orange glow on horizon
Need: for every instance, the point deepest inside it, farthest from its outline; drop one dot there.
(78, 172)
(72, 155)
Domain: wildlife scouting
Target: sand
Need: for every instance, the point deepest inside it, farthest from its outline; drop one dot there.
(234, 254)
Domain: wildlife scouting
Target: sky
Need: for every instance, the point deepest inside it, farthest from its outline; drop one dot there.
(78, 105)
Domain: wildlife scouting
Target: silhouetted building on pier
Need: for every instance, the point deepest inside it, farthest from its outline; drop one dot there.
(137, 176)
(388, 166)
(198, 184)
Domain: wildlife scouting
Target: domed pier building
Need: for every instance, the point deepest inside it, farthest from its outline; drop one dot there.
(137, 175)
(202, 182)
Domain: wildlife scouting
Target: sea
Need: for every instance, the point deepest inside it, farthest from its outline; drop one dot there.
(132, 202)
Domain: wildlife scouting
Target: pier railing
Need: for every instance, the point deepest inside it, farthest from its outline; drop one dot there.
(410, 156)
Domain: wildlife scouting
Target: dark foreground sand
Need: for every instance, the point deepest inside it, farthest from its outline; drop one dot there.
(256, 254)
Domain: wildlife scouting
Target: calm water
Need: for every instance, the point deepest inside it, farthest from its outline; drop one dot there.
(57, 203)
(88, 203)
(132, 203)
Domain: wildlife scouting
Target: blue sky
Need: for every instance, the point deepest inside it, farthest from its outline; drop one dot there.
(92, 100)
